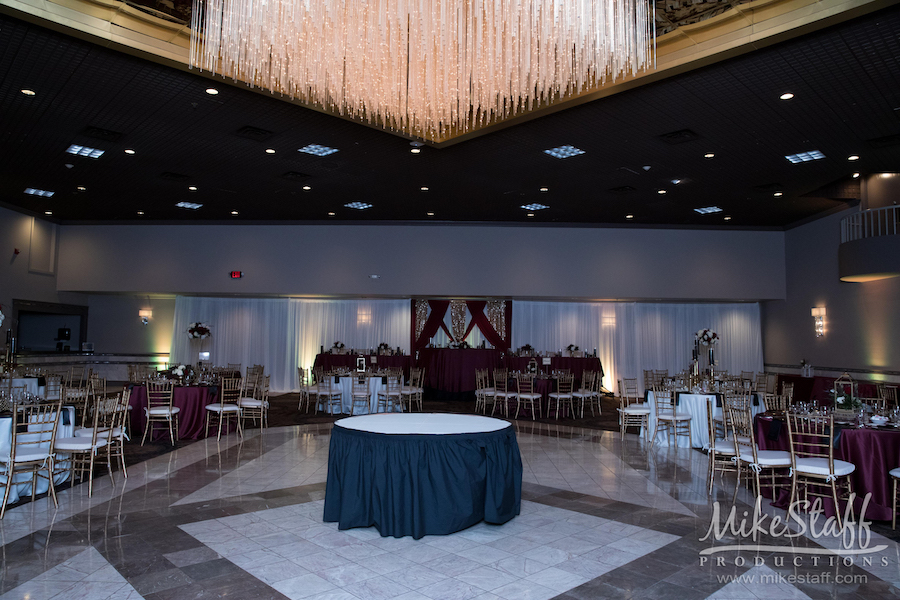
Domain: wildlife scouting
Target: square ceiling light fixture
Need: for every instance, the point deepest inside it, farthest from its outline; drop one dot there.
(805, 156)
(358, 205)
(708, 210)
(564, 151)
(317, 150)
(84, 151)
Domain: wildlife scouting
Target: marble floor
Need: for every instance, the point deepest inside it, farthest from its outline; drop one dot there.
(602, 517)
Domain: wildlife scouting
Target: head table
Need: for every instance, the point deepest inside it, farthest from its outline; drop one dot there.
(422, 474)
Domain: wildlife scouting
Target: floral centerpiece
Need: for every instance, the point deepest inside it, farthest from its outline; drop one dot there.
(707, 337)
(526, 350)
(460, 345)
(572, 350)
(384, 349)
(845, 401)
(198, 331)
(181, 372)
(337, 348)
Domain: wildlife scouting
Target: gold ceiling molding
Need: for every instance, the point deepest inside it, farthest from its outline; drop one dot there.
(743, 28)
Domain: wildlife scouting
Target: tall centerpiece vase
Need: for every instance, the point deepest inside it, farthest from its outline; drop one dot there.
(712, 362)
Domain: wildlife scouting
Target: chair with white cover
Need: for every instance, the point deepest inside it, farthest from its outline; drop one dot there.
(527, 397)
(502, 393)
(589, 392)
(388, 398)
(328, 394)
(360, 396)
(632, 411)
(83, 451)
(160, 410)
(412, 393)
(31, 448)
(743, 436)
(111, 426)
(563, 395)
(668, 418)
(256, 407)
(307, 389)
(813, 464)
(227, 407)
(895, 476)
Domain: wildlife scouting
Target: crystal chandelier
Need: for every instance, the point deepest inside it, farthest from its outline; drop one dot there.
(426, 68)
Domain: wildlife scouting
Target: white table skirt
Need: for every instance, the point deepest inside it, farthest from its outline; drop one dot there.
(22, 482)
(695, 405)
(423, 423)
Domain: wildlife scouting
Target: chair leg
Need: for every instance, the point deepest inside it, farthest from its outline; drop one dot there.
(893, 517)
(146, 429)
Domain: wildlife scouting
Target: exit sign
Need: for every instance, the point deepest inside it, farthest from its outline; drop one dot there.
(236, 274)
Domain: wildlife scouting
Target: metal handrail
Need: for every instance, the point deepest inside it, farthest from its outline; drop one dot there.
(871, 223)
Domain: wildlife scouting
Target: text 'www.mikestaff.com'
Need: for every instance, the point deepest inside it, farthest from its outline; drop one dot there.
(792, 578)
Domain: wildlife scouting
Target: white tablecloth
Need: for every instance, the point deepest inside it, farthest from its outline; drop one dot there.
(423, 423)
(22, 481)
(695, 405)
(30, 383)
(345, 386)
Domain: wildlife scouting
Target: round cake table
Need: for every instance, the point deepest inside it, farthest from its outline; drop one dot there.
(422, 474)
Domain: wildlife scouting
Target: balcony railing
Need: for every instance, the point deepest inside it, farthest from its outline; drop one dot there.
(871, 223)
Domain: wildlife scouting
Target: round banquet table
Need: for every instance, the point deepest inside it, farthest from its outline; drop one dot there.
(422, 474)
(191, 419)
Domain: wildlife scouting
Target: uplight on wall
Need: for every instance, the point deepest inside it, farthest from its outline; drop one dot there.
(145, 315)
(818, 314)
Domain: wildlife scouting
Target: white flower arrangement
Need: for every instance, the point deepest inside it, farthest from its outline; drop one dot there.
(1, 317)
(707, 337)
(198, 331)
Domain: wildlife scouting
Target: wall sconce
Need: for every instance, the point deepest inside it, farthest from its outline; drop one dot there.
(145, 315)
(818, 314)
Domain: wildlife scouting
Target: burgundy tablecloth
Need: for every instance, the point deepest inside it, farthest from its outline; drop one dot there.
(816, 389)
(576, 366)
(191, 420)
(335, 361)
(874, 452)
(449, 370)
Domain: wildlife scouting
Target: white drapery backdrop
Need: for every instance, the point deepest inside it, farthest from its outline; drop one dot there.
(284, 333)
(632, 336)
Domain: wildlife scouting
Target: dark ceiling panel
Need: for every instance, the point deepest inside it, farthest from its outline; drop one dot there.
(846, 81)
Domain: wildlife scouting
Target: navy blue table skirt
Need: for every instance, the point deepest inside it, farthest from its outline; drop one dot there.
(411, 484)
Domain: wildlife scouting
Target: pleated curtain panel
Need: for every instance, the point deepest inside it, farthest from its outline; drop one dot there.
(284, 333)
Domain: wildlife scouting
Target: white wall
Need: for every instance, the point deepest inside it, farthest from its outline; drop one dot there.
(524, 262)
(862, 323)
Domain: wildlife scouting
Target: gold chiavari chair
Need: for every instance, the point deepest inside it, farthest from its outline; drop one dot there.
(160, 409)
(32, 448)
(757, 461)
(563, 395)
(668, 418)
(633, 412)
(527, 397)
(227, 407)
(256, 407)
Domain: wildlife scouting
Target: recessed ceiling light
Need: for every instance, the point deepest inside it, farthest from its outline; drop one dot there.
(212, 91)
(530, 214)
(306, 188)
(317, 150)
(190, 205)
(660, 191)
(543, 189)
(424, 188)
(84, 151)
(856, 176)
(727, 218)
(37, 192)
(430, 214)
(709, 155)
(234, 212)
(81, 188)
(129, 151)
(193, 188)
(564, 151)
(48, 212)
(629, 216)
(358, 205)
(853, 157)
(676, 181)
(28, 92)
(534, 206)
(778, 194)
(140, 212)
(707, 210)
(805, 156)
(786, 96)
(270, 150)
(331, 214)
(415, 150)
